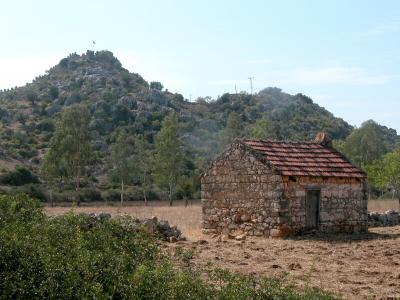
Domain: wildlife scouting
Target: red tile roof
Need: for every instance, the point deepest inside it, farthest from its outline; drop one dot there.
(304, 159)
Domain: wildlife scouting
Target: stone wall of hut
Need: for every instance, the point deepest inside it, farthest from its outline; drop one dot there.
(343, 203)
(241, 194)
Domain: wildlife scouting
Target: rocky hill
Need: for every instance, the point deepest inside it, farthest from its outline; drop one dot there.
(122, 101)
(116, 98)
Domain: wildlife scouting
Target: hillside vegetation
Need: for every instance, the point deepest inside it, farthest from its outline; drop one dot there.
(121, 103)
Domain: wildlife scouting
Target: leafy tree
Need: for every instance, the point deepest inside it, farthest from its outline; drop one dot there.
(70, 152)
(232, 130)
(22, 118)
(132, 160)
(53, 92)
(46, 125)
(144, 164)
(156, 85)
(168, 155)
(365, 144)
(385, 172)
(64, 62)
(51, 171)
(121, 155)
(32, 97)
(126, 79)
(263, 129)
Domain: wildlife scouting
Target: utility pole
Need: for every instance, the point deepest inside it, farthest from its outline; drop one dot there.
(235, 89)
(251, 85)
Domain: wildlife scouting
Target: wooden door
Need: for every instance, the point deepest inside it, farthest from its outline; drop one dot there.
(312, 209)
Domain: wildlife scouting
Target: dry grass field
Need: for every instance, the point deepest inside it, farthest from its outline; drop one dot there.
(188, 219)
(383, 205)
(355, 267)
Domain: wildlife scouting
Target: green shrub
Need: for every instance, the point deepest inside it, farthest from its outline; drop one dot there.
(133, 194)
(83, 257)
(89, 194)
(67, 257)
(18, 208)
(62, 196)
(53, 92)
(111, 195)
(32, 190)
(19, 176)
(156, 85)
(46, 125)
(27, 153)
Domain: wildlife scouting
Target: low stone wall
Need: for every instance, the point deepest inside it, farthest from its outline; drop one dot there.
(387, 218)
(160, 228)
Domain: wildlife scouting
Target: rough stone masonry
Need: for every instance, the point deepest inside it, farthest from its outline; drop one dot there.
(251, 188)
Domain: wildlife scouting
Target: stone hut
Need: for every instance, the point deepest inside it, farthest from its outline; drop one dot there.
(280, 188)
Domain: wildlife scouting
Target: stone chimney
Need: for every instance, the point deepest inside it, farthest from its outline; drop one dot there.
(323, 139)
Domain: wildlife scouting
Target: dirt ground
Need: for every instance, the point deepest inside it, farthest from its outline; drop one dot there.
(352, 266)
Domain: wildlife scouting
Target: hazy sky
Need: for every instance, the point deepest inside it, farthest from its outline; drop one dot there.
(343, 54)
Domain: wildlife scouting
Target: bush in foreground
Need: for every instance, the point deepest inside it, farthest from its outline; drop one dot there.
(75, 256)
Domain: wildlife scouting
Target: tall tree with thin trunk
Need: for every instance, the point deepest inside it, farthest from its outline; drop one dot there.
(233, 129)
(168, 157)
(70, 153)
(51, 172)
(144, 158)
(122, 155)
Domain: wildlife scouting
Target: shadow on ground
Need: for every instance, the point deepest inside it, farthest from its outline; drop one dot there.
(372, 234)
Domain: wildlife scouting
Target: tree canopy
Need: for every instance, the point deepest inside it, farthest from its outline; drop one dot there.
(233, 129)
(70, 152)
(365, 144)
(168, 155)
(122, 159)
(384, 173)
(263, 129)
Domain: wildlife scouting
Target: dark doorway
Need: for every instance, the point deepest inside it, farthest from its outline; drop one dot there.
(312, 209)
